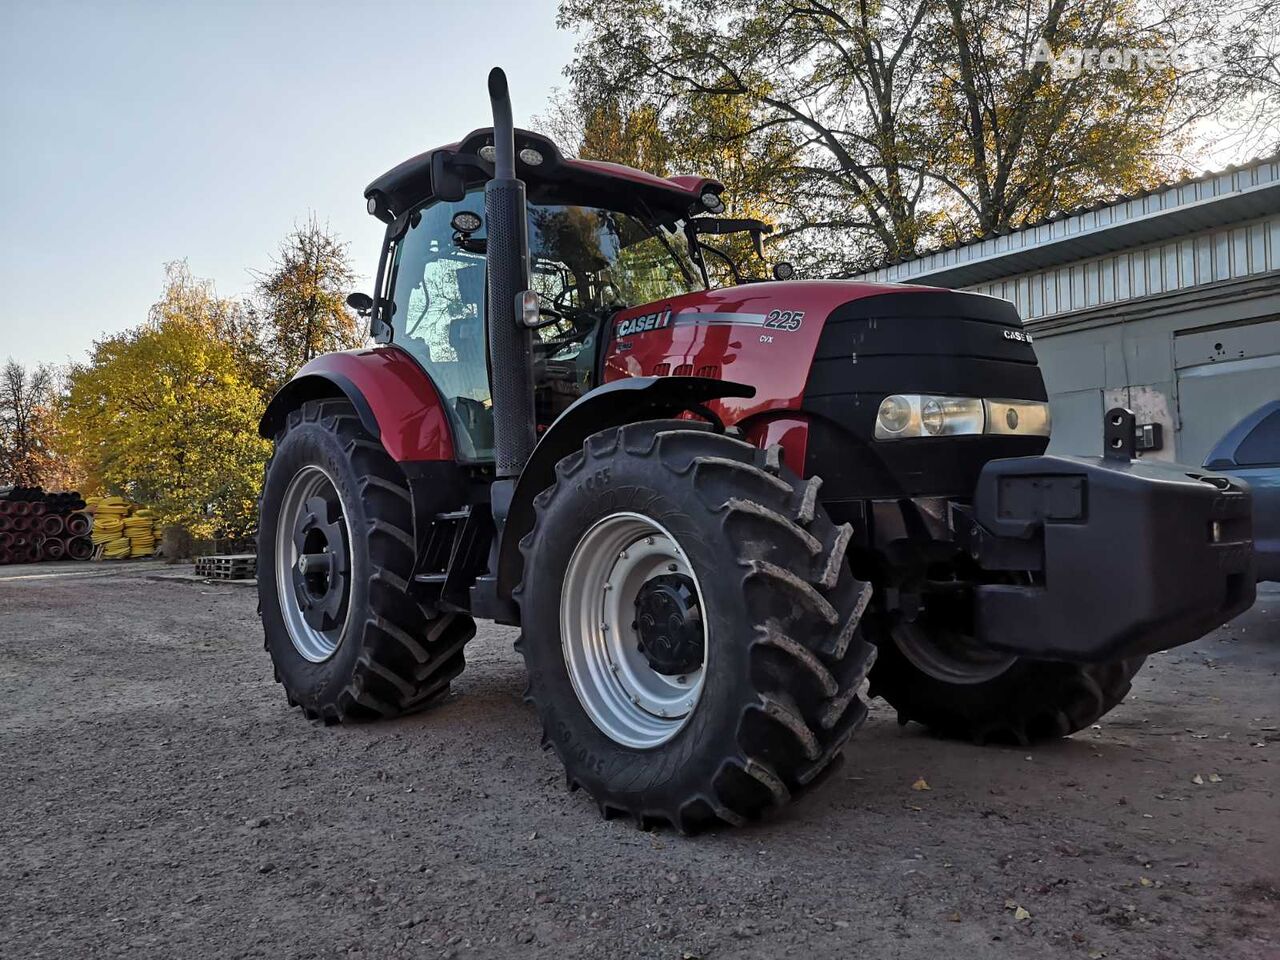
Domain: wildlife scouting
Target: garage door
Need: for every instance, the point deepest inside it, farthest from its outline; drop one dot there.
(1223, 375)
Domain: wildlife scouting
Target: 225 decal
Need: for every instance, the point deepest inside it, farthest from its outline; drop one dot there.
(784, 319)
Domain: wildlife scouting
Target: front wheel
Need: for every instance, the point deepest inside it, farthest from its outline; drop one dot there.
(689, 626)
(935, 676)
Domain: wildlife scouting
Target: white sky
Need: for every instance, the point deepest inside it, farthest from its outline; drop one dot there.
(133, 133)
(136, 133)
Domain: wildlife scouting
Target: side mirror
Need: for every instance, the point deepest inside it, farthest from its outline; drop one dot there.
(361, 303)
(446, 182)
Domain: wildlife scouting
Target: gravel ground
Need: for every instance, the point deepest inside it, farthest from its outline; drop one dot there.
(160, 800)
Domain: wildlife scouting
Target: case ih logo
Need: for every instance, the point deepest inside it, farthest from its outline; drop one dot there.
(643, 324)
(1017, 335)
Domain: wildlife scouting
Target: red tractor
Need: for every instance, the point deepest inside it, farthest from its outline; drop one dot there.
(713, 513)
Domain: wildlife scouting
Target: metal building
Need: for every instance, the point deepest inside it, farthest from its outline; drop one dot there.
(1167, 302)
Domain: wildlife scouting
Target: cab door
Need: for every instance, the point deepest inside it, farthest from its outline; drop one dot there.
(437, 316)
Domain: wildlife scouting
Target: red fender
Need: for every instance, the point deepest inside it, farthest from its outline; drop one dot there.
(394, 397)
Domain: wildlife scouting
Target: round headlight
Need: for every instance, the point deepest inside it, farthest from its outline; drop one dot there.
(531, 156)
(466, 221)
(783, 270)
(895, 414)
(489, 153)
(711, 202)
(932, 417)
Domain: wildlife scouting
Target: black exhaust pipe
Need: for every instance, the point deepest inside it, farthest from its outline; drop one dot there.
(510, 342)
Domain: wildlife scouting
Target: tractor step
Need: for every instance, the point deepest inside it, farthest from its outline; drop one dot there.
(453, 553)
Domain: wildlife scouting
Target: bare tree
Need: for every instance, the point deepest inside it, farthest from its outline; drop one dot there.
(27, 403)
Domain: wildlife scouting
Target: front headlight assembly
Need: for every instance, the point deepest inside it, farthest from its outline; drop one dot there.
(907, 415)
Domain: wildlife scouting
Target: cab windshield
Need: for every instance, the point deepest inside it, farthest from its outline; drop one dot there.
(586, 263)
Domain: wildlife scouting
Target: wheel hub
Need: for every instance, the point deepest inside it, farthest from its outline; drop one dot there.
(669, 624)
(638, 683)
(313, 559)
(320, 572)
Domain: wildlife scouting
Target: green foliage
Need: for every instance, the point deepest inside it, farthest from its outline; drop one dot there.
(303, 299)
(166, 413)
(865, 130)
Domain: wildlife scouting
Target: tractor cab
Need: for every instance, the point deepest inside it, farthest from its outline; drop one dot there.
(601, 239)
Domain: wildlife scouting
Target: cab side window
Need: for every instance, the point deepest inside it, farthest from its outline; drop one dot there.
(438, 297)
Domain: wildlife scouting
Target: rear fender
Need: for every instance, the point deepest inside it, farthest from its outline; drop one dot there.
(395, 399)
(631, 400)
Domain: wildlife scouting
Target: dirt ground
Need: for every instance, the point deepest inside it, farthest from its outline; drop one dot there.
(161, 800)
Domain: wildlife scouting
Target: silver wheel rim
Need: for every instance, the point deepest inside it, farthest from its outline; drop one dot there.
(308, 489)
(951, 661)
(628, 700)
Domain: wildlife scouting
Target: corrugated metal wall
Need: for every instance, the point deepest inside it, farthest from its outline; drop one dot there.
(1227, 253)
(1078, 224)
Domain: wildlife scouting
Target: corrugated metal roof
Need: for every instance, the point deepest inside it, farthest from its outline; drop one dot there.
(957, 260)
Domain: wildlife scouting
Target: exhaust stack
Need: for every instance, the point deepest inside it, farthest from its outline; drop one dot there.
(510, 343)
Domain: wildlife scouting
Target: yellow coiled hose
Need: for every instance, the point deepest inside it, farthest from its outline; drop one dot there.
(121, 529)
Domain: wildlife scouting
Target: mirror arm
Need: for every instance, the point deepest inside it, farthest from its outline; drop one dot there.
(733, 267)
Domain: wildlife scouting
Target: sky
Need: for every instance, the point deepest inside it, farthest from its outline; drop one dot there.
(134, 133)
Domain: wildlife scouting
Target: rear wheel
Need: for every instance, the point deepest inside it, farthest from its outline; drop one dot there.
(936, 676)
(689, 626)
(335, 558)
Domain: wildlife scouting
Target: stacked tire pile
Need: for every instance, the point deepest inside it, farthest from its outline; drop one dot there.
(122, 529)
(35, 526)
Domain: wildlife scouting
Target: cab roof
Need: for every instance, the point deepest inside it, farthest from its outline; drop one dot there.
(408, 184)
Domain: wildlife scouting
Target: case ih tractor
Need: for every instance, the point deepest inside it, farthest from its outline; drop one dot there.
(713, 513)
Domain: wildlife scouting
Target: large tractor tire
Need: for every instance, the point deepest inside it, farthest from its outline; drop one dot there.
(690, 626)
(335, 558)
(934, 676)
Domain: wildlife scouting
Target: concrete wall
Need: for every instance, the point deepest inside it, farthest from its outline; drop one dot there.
(1195, 361)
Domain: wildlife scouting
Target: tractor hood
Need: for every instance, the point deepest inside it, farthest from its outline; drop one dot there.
(766, 334)
(828, 353)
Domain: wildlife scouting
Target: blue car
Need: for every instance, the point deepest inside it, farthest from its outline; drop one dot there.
(1251, 451)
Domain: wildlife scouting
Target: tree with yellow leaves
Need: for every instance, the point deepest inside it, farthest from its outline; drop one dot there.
(867, 130)
(166, 413)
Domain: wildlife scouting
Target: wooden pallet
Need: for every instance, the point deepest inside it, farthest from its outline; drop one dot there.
(234, 566)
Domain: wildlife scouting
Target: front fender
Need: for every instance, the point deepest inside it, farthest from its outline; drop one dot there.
(395, 399)
(630, 400)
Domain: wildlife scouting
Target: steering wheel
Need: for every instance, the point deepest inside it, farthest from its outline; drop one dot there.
(582, 323)
(561, 300)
